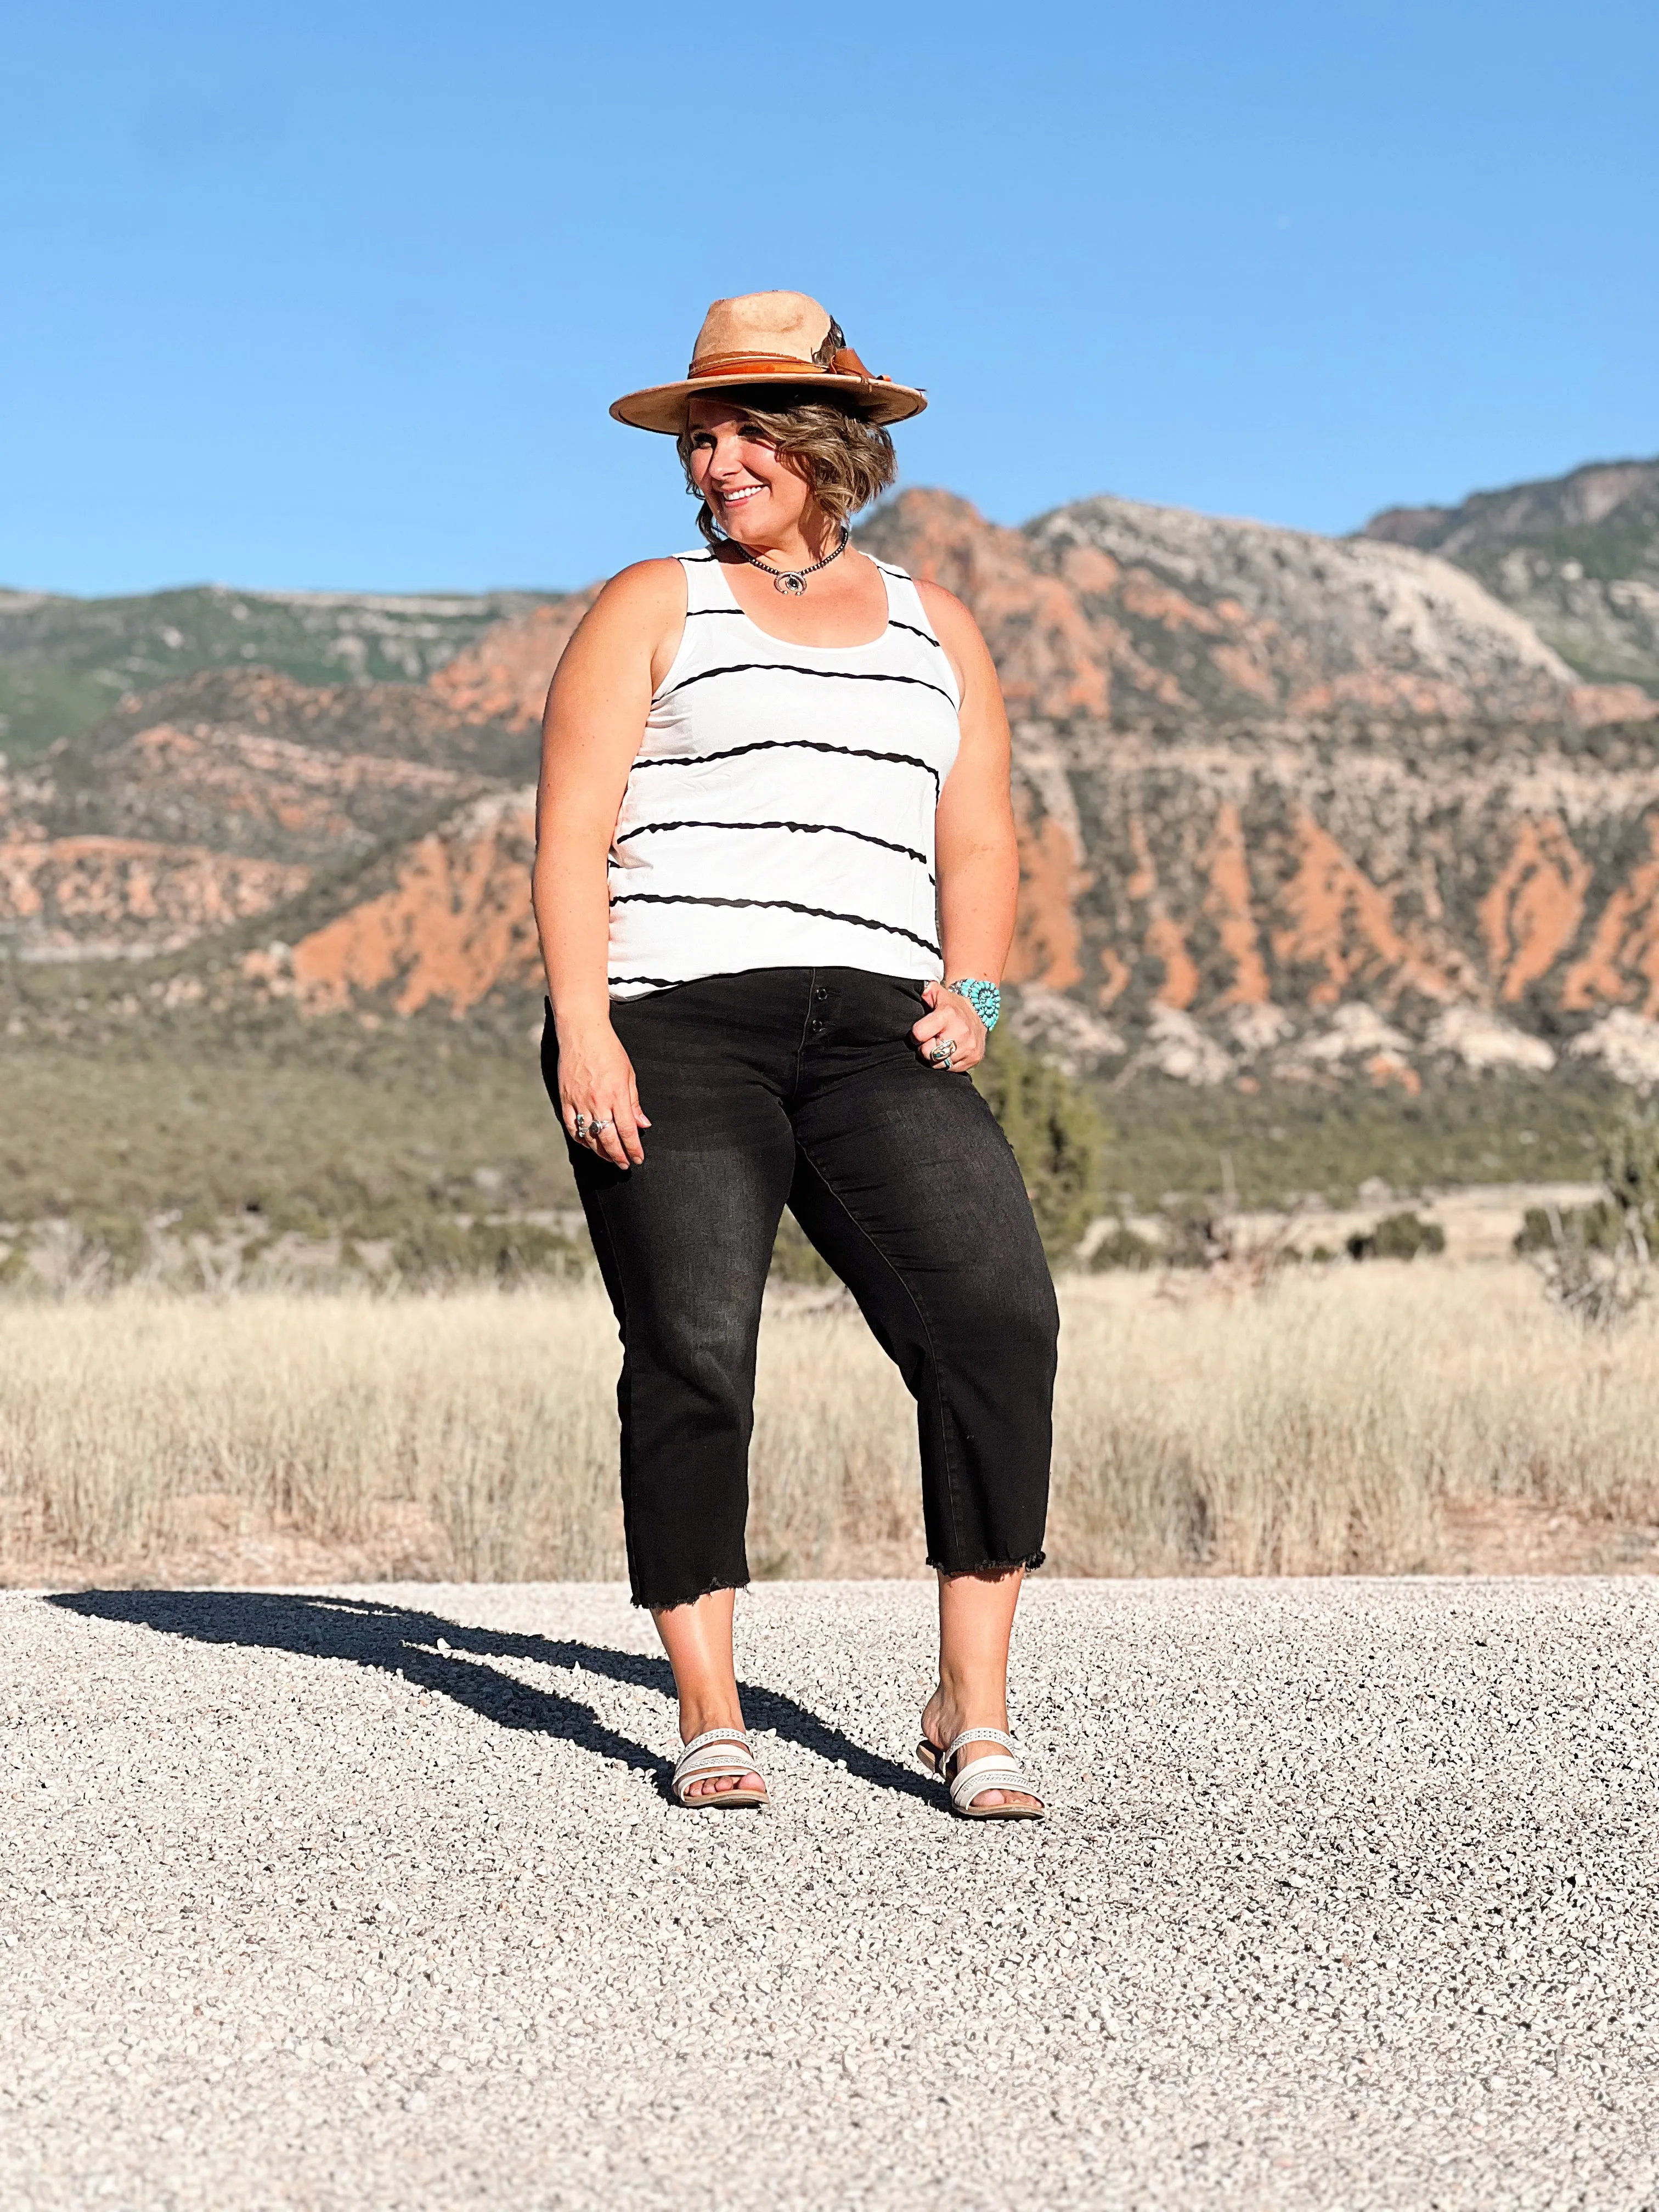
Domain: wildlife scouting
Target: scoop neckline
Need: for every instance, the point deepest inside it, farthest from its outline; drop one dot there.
(800, 644)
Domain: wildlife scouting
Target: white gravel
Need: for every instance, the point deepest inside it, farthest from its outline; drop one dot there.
(375, 1900)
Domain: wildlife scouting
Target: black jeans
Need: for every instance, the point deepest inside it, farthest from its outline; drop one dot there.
(803, 1086)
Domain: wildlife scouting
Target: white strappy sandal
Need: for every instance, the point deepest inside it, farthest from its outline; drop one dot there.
(1001, 1770)
(715, 1752)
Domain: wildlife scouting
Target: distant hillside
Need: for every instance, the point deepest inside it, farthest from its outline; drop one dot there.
(65, 662)
(1129, 614)
(1295, 814)
(1578, 555)
(221, 796)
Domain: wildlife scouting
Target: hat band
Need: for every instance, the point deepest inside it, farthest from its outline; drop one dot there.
(762, 364)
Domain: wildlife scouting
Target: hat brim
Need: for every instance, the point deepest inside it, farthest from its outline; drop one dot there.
(662, 406)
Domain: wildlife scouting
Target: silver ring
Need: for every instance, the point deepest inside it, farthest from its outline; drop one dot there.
(595, 1126)
(944, 1052)
(581, 1126)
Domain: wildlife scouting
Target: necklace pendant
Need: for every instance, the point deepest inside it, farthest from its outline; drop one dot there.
(794, 586)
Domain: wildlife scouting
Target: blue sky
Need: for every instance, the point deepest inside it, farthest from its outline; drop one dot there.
(336, 295)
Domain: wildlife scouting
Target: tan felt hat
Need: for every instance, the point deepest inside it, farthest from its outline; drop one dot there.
(764, 335)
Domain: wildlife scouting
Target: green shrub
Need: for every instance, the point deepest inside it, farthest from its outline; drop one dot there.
(1056, 1133)
(1595, 1228)
(1121, 1247)
(1191, 1237)
(1597, 1261)
(1630, 1168)
(1397, 1237)
(794, 1261)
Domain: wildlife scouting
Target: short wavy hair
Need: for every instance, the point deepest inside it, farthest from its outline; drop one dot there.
(847, 462)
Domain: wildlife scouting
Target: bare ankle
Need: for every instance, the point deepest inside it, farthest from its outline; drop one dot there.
(700, 1714)
(978, 1694)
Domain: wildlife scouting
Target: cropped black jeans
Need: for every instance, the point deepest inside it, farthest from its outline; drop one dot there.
(803, 1086)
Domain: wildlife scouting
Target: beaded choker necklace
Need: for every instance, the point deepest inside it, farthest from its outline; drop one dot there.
(793, 581)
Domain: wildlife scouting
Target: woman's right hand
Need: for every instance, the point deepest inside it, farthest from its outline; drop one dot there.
(599, 1098)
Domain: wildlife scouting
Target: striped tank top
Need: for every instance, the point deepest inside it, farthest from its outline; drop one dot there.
(779, 812)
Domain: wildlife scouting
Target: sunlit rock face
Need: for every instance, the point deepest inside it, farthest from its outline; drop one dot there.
(204, 803)
(1577, 555)
(1322, 811)
(1254, 767)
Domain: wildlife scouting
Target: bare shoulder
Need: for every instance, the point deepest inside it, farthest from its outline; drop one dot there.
(958, 632)
(966, 651)
(638, 610)
(642, 591)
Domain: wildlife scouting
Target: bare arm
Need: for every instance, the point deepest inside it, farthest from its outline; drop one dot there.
(596, 711)
(978, 856)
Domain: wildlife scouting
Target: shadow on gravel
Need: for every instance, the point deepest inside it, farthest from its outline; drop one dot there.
(403, 1642)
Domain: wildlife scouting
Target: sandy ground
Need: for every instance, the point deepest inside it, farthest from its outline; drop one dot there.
(1348, 1897)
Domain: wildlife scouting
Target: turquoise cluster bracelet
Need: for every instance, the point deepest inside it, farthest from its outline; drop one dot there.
(984, 997)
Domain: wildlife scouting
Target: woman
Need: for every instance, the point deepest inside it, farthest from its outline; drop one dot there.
(775, 882)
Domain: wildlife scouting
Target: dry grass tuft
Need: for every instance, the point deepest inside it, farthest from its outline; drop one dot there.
(1337, 1422)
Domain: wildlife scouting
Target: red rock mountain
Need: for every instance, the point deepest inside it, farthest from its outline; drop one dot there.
(1286, 804)
(207, 801)
(1262, 777)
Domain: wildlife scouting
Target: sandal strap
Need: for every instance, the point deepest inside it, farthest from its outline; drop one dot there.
(979, 1735)
(715, 1760)
(994, 1773)
(714, 1754)
(716, 1736)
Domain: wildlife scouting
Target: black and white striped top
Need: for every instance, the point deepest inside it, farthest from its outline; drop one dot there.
(779, 812)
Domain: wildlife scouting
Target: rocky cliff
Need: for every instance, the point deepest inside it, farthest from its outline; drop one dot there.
(1126, 613)
(210, 799)
(1293, 808)
(1577, 555)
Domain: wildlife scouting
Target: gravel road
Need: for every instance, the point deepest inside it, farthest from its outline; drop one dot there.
(373, 1900)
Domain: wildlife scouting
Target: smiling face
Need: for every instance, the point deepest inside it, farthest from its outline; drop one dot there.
(754, 496)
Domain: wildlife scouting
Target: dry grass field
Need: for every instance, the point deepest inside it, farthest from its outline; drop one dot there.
(1379, 1419)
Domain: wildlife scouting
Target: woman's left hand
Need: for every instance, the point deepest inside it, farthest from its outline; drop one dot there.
(950, 1020)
